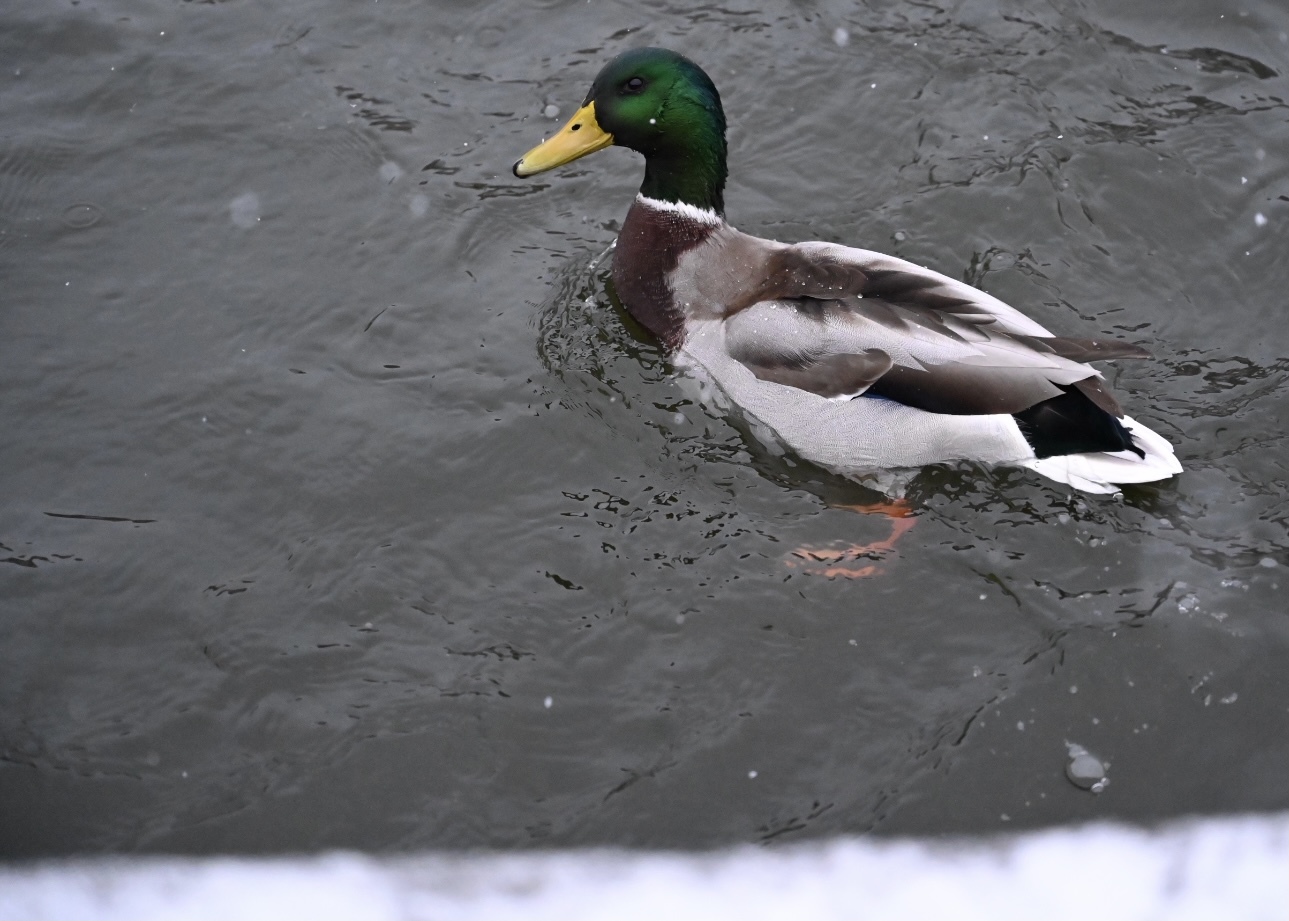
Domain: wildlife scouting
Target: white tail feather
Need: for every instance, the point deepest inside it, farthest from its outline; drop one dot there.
(1102, 473)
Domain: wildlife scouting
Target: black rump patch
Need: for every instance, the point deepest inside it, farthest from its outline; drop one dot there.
(1073, 424)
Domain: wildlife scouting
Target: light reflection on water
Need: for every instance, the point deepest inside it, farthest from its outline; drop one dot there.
(329, 461)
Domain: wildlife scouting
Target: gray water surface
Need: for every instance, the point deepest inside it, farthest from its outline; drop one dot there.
(341, 508)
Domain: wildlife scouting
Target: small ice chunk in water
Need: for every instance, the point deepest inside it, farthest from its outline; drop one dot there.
(390, 171)
(1084, 770)
(840, 37)
(551, 111)
(244, 210)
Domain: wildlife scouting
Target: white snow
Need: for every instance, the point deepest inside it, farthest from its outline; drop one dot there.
(1230, 868)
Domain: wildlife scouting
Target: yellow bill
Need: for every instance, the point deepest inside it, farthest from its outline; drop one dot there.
(580, 136)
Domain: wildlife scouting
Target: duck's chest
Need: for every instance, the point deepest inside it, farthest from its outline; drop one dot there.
(654, 264)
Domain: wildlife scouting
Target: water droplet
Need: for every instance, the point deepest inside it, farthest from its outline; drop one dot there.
(1085, 770)
(751, 775)
(1267, 563)
(840, 37)
(551, 111)
(244, 210)
(1260, 219)
(900, 236)
(419, 205)
(82, 215)
(390, 171)
(548, 702)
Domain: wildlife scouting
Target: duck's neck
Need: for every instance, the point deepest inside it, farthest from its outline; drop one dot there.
(687, 178)
(690, 173)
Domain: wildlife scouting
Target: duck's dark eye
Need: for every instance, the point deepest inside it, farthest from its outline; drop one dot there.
(634, 85)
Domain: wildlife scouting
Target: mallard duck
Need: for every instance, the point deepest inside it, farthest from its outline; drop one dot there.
(857, 361)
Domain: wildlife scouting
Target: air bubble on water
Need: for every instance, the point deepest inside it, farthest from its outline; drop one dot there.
(1233, 583)
(1165, 524)
(548, 703)
(976, 671)
(551, 111)
(390, 171)
(900, 236)
(1084, 769)
(678, 418)
(244, 210)
(1074, 689)
(1267, 563)
(840, 37)
(419, 205)
(853, 643)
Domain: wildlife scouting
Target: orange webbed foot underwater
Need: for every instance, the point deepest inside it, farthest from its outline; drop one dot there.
(843, 562)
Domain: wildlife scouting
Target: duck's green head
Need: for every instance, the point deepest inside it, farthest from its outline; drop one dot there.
(656, 102)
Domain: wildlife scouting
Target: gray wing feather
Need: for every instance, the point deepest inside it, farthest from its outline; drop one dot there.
(836, 320)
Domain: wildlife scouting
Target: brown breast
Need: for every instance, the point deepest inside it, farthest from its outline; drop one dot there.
(652, 240)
